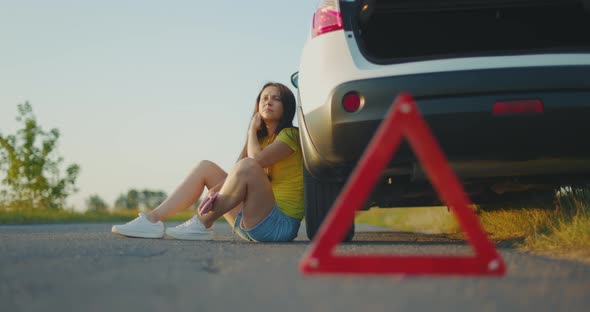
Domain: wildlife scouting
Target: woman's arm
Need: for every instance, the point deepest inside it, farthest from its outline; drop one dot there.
(273, 153)
(270, 155)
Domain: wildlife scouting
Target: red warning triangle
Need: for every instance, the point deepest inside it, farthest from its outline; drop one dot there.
(403, 120)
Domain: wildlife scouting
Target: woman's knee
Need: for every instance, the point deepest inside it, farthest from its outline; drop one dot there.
(205, 168)
(248, 166)
(204, 164)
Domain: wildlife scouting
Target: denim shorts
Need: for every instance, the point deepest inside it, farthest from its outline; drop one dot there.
(276, 227)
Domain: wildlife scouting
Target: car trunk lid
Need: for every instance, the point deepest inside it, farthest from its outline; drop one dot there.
(390, 32)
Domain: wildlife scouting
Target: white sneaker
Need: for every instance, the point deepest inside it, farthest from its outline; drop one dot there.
(140, 227)
(192, 229)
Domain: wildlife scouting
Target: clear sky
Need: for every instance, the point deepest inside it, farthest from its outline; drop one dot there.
(143, 90)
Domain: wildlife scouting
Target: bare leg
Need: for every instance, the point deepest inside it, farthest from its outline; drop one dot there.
(247, 184)
(205, 174)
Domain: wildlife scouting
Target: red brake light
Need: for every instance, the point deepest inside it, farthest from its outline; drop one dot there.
(327, 18)
(352, 101)
(517, 107)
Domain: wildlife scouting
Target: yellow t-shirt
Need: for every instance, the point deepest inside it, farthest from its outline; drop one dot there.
(287, 176)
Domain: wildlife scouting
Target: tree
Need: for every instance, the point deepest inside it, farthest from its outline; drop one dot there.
(31, 167)
(134, 199)
(152, 199)
(121, 203)
(96, 204)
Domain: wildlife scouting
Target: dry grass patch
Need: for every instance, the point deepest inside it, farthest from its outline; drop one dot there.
(562, 231)
(516, 223)
(568, 234)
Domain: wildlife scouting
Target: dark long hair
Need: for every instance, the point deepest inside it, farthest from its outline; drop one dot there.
(289, 106)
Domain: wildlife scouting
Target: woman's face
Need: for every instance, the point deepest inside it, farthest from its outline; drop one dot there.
(270, 106)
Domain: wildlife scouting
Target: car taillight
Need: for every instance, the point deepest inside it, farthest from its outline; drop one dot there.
(327, 18)
(352, 102)
(517, 107)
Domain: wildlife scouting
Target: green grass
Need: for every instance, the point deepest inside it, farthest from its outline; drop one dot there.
(563, 231)
(433, 220)
(41, 216)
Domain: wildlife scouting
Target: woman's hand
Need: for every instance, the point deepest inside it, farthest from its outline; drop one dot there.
(206, 205)
(256, 122)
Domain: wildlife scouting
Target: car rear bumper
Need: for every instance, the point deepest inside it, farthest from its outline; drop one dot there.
(458, 108)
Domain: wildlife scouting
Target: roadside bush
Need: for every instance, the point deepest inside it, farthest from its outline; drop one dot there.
(31, 169)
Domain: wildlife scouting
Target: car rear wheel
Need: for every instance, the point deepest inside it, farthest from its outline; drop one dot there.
(319, 198)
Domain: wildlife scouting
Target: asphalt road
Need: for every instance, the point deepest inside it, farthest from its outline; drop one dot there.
(83, 267)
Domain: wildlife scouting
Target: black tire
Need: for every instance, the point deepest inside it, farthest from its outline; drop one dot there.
(319, 198)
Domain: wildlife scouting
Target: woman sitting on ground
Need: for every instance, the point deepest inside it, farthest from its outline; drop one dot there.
(262, 196)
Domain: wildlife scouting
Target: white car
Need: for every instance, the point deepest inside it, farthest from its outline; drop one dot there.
(503, 84)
